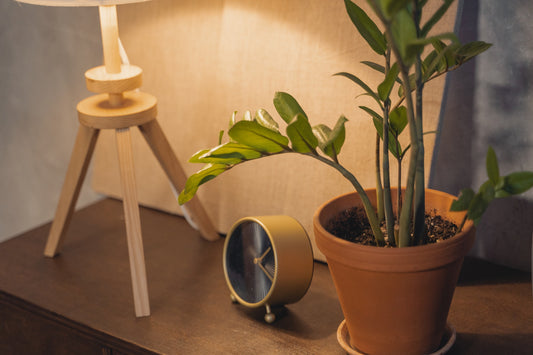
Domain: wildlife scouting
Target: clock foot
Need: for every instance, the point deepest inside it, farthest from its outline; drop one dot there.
(233, 298)
(269, 316)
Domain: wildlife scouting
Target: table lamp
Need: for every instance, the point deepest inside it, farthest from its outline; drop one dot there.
(118, 105)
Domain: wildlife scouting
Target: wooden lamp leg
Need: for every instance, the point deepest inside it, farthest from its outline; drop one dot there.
(115, 112)
(76, 171)
(162, 150)
(133, 223)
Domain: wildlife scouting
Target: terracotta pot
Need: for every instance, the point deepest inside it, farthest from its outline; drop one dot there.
(394, 300)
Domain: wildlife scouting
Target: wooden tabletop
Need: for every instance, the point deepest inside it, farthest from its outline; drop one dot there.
(87, 288)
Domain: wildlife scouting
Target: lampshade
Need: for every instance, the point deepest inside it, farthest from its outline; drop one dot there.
(78, 2)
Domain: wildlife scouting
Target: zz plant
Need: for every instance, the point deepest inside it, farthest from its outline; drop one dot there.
(411, 58)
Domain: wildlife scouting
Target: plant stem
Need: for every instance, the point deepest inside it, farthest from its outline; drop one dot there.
(369, 209)
(399, 189)
(387, 200)
(404, 236)
(419, 203)
(462, 223)
(405, 216)
(379, 186)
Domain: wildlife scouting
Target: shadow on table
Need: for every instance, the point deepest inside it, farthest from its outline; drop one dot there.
(487, 344)
(294, 320)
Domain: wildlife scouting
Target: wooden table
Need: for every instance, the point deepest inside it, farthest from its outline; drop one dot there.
(81, 301)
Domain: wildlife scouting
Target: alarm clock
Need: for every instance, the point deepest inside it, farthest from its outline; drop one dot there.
(268, 261)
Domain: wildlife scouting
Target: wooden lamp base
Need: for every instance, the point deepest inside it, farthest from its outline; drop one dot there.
(120, 111)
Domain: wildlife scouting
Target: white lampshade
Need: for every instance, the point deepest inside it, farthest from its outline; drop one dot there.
(79, 2)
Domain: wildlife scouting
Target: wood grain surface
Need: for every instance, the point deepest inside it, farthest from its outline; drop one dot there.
(85, 293)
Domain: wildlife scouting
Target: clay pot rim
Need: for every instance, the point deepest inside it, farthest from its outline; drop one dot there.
(392, 259)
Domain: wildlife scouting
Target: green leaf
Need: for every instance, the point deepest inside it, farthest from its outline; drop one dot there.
(434, 19)
(493, 172)
(377, 67)
(287, 106)
(228, 153)
(477, 207)
(248, 116)
(472, 49)
(518, 182)
(480, 202)
(392, 7)
(385, 88)
(322, 133)
(220, 136)
(254, 135)
(366, 27)
(372, 113)
(487, 191)
(398, 120)
(464, 200)
(397, 123)
(447, 57)
(404, 35)
(209, 172)
(301, 135)
(500, 192)
(412, 85)
(427, 64)
(338, 134)
(226, 160)
(416, 45)
(440, 60)
(233, 119)
(196, 156)
(440, 47)
(265, 120)
(362, 84)
(331, 141)
(394, 144)
(423, 41)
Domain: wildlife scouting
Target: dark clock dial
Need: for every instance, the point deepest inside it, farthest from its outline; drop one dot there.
(250, 262)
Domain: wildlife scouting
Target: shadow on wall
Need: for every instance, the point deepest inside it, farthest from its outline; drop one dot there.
(486, 104)
(44, 52)
(504, 236)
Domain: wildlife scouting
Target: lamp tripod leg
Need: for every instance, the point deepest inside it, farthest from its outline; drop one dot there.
(133, 223)
(76, 171)
(162, 150)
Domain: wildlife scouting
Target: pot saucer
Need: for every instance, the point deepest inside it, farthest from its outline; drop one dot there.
(344, 340)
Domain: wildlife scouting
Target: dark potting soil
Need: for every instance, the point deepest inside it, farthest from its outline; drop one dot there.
(352, 225)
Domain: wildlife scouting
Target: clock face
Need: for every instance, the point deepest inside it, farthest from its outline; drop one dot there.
(250, 262)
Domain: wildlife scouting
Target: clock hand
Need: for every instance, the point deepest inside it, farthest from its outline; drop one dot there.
(264, 270)
(259, 261)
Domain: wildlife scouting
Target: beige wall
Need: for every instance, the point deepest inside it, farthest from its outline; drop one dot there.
(204, 59)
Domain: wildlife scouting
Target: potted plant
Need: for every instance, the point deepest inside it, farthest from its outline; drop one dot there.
(395, 293)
